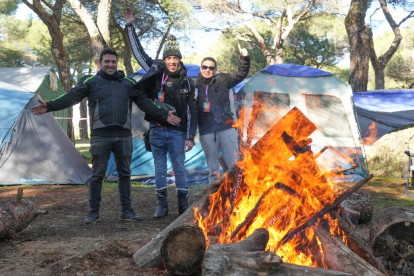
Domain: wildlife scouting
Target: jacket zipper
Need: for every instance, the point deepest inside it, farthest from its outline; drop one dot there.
(114, 102)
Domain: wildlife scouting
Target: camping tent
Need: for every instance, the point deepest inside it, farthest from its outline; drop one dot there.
(34, 149)
(38, 80)
(323, 98)
(388, 109)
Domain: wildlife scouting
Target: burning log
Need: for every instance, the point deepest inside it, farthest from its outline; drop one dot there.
(246, 223)
(17, 215)
(392, 239)
(313, 220)
(182, 252)
(357, 243)
(342, 258)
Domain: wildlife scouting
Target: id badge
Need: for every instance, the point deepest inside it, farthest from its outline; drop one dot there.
(206, 106)
(160, 97)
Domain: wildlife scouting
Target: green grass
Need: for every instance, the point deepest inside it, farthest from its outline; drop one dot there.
(389, 191)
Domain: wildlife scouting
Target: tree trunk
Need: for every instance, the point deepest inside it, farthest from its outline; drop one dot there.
(392, 239)
(359, 41)
(380, 63)
(57, 48)
(83, 123)
(94, 34)
(104, 14)
(127, 50)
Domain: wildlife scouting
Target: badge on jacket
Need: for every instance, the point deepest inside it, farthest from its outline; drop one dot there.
(161, 97)
(206, 107)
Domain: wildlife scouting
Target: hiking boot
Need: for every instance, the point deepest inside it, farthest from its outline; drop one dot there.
(183, 204)
(162, 204)
(129, 215)
(92, 217)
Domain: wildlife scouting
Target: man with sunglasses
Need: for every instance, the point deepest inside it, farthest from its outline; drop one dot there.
(167, 84)
(215, 118)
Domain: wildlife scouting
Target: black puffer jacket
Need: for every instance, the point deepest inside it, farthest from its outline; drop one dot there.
(183, 101)
(110, 100)
(220, 116)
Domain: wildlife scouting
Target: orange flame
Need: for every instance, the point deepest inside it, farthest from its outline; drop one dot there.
(275, 192)
(371, 134)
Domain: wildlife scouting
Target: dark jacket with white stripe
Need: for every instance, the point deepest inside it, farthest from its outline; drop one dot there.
(183, 99)
(110, 100)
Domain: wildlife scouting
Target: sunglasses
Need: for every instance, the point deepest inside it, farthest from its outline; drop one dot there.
(204, 67)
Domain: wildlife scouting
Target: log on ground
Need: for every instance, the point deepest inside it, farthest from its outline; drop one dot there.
(339, 257)
(17, 215)
(392, 239)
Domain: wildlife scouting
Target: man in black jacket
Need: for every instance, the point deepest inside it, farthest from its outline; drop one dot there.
(110, 96)
(167, 84)
(216, 124)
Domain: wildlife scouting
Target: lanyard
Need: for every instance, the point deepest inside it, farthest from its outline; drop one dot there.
(163, 81)
(207, 93)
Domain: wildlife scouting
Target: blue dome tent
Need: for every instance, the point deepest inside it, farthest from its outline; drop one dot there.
(34, 149)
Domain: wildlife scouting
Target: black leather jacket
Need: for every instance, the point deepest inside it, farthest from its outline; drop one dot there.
(110, 100)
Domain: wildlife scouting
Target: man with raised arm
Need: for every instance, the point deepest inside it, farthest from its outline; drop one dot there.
(215, 118)
(167, 84)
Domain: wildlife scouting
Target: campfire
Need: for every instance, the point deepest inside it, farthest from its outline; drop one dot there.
(276, 192)
(275, 211)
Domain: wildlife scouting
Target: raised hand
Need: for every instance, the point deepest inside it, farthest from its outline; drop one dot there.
(129, 17)
(243, 51)
(172, 119)
(39, 109)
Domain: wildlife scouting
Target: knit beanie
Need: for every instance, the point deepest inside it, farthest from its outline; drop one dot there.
(171, 48)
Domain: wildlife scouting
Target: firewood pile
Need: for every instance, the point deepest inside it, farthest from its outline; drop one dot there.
(274, 213)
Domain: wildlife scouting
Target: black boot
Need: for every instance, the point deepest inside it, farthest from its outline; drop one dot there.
(182, 201)
(162, 204)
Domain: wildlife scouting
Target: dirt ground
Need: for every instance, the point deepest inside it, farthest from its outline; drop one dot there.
(59, 243)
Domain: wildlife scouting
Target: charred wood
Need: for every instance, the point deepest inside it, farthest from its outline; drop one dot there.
(392, 239)
(314, 219)
(339, 257)
(242, 227)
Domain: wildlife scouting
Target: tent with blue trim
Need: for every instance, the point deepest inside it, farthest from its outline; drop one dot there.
(34, 149)
(325, 99)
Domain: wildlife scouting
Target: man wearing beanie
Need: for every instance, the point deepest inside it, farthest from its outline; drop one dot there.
(167, 84)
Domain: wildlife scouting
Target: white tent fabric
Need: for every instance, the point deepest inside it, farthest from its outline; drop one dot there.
(325, 99)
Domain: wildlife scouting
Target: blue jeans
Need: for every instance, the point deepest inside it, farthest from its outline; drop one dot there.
(101, 148)
(166, 140)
